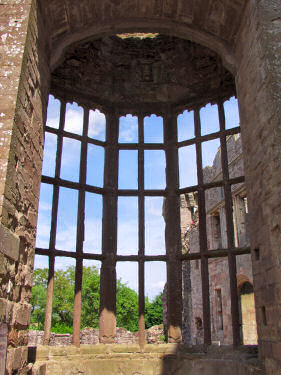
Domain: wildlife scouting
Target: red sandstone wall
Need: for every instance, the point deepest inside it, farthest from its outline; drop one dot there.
(258, 80)
(23, 91)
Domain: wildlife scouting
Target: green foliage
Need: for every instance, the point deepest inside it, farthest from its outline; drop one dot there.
(154, 312)
(63, 298)
(38, 300)
(126, 307)
(90, 297)
(62, 328)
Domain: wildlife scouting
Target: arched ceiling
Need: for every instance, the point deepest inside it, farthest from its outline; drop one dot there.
(212, 23)
(158, 69)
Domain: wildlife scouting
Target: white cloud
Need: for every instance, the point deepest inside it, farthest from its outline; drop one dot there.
(66, 239)
(97, 124)
(93, 236)
(127, 243)
(44, 206)
(73, 120)
(53, 122)
(128, 128)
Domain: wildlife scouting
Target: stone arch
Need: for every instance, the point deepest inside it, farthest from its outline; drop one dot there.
(223, 49)
(212, 24)
(242, 279)
(247, 310)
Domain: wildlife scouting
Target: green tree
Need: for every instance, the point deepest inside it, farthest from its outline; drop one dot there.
(153, 311)
(126, 307)
(90, 297)
(38, 299)
(63, 298)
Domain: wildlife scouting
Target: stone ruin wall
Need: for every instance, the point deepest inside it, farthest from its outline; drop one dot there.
(90, 336)
(23, 98)
(218, 268)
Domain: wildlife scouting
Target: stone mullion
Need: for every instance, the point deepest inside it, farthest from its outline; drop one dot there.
(53, 233)
(173, 232)
(80, 234)
(202, 233)
(141, 234)
(107, 323)
(230, 232)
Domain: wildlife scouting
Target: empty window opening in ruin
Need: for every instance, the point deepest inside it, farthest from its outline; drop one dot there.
(219, 305)
(136, 193)
(247, 314)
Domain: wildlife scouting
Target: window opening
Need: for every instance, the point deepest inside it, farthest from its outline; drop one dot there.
(211, 159)
(154, 169)
(156, 300)
(154, 226)
(128, 169)
(175, 199)
(247, 311)
(73, 119)
(185, 123)
(44, 216)
(153, 129)
(231, 113)
(209, 117)
(70, 159)
(93, 223)
(67, 219)
(127, 222)
(90, 297)
(219, 309)
(49, 157)
(127, 298)
(97, 125)
(63, 295)
(128, 129)
(95, 165)
(187, 166)
(53, 113)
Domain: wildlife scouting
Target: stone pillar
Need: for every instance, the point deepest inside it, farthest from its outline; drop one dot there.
(173, 232)
(23, 91)
(258, 55)
(107, 322)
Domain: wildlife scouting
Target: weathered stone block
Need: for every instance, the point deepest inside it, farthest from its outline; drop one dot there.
(9, 243)
(39, 369)
(21, 314)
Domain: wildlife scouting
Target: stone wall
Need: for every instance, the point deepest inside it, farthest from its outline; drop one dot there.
(90, 336)
(218, 268)
(258, 55)
(23, 92)
(153, 359)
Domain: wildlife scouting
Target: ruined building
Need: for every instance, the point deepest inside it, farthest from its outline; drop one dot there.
(218, 269)
(144, 58)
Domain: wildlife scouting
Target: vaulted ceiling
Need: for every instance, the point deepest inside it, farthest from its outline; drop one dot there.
(213, 23)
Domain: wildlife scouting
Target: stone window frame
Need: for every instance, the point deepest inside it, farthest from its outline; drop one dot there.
(174, 256)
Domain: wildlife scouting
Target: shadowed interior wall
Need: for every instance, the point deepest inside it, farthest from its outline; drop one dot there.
(258, 81)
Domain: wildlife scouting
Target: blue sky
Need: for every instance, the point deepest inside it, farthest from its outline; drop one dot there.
(155, 164)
